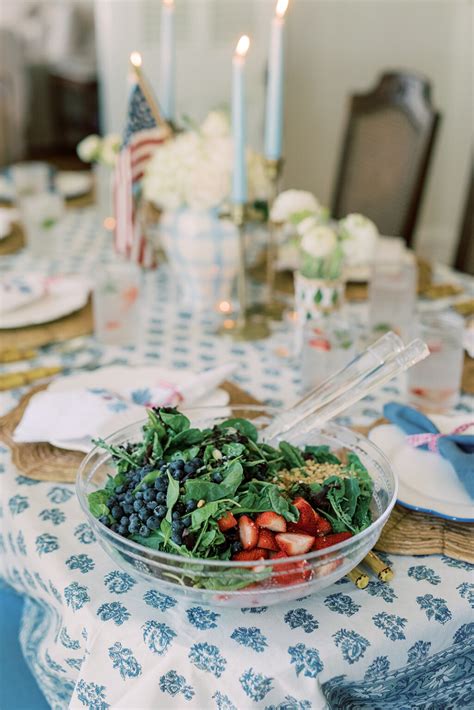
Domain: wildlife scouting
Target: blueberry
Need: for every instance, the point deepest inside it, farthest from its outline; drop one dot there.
(160, 512)
(129, 497)
(114, 527)
(176, 525)
(144, 531)
(124, 520)
(151, 505)
(138, 495)
(190, 506)
(161, 483)
(149, 495)
(122, 529)
(186, 521)
(217, 477)
(144, 514)
(104, 519)
(176, 474)
(117, 512)
(133, 517)
(137, 505)
(127, 508)
(112, 501)
(176, 537)
(118, 490)
(176, 515)
(160, 497)
(236, 547)
(152, 523)
(189, 469)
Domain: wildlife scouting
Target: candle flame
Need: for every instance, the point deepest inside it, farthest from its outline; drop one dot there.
(168, 3)
(136, 59)
(281, 8)
(242, 46)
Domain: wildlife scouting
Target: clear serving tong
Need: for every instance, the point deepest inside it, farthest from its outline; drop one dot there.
(379, 363)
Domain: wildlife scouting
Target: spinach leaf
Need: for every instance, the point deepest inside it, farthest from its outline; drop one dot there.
(236, 581)
(114, 481)
(351, 495)
(157, 446)
(199, 489)
(321, 454)
(233, 450)
(354, 465)
(172, 495)
(175, 421)
(291, 455)
(201, 515)
(243, 426)
(118, 453)
(97, 503)
(188, 437)
(155, 424)
(150, 477)
(165, 530)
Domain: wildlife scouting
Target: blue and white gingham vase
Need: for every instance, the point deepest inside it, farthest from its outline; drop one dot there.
(203, 252)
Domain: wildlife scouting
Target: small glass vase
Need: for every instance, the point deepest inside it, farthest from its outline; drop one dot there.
(315, 298)
(203, 254)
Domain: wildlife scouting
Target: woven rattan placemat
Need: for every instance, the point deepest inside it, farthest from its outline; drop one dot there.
(34, 336)
(14, 241)
(45, 462)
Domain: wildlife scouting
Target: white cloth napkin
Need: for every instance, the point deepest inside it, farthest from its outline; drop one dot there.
(77, 414)
(8, 215)
(18, 290)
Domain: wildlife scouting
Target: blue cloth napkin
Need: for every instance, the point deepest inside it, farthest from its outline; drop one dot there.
(458, 449)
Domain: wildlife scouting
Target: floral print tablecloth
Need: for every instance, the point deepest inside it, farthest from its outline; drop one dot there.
(97, 638)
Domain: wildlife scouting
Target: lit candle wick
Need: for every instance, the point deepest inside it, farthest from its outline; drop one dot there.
(242, 46)
(136, 59)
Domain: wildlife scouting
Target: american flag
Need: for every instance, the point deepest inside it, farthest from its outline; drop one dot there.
(141, 136)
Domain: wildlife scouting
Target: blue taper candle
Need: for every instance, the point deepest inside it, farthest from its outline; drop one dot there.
(274, 101)
(167, 59)
(239, 177)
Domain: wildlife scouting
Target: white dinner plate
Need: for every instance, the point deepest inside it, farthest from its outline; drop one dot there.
(138, 377)
(66, 295)
(427, 482)
(73, 183)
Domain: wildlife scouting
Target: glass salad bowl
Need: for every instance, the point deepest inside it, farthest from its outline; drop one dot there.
(239, 583)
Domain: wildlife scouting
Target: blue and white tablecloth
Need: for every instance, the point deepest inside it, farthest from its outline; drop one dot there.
(97, 638)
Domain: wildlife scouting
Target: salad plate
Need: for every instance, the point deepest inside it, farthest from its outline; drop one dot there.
(65, 295)
(73, 183)
(138, 378)
(427, 482)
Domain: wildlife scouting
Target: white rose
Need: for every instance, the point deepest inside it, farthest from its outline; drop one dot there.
(306, 225)
(293, 202)
(216, 125)
(89, 148)
(359, 239)
(110, 148)
(319, 241)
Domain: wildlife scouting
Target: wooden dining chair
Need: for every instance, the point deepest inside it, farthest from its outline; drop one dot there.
(464, 260)
(386, 154)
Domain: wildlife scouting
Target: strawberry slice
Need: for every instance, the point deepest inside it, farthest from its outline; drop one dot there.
(250, 555)
(294, 543)
(271, 521)
(327, 568)
(227, 522)
(324, 527)
(289, 573)
(327, 541)
(266, 539)
(309, 522)
(248, 532)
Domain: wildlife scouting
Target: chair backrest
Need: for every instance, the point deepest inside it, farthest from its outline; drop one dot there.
(465, 250)
(386, 153)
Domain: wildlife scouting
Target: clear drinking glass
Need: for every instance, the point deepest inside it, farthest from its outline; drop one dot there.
(30, 178)
(41, 215)
(434, 384)
(117, 309)
(392, 295)
(328, 345)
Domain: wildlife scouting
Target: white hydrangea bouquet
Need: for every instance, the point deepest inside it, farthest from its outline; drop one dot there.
(194, 170)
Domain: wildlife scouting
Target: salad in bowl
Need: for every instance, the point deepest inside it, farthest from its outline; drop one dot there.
(204, 506)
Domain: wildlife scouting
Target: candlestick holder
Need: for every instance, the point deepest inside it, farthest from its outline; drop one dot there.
(248, 325)
(272, 309)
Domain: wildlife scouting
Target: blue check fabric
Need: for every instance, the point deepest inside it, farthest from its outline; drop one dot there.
(96, 637)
